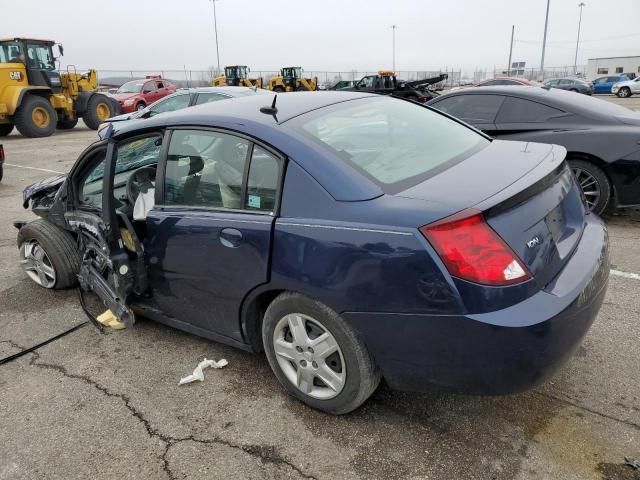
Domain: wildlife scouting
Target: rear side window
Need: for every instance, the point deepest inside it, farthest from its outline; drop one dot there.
(517, 110)
(172, 103)
(205, 169)
(207, 97)
(262, 183)
(471, 108)
(394, 143)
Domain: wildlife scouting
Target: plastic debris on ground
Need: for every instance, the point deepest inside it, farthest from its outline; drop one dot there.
(108, 319)
(632, 463)
(198, 373)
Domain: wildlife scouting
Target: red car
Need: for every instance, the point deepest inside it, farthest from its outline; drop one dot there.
(506, 81)
(137, 94)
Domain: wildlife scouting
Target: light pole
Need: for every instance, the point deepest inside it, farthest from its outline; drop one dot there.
(575, 60)
(215, 28)
(513, 28)
(544, 41)
(393, 28)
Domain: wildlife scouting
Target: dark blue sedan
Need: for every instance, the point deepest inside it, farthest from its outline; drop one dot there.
(350, 237)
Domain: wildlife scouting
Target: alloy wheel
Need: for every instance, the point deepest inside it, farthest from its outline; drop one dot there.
(37, 264)
(309, 356)
(589, 185)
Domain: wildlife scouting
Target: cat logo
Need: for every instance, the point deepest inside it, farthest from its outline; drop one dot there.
(15, 76)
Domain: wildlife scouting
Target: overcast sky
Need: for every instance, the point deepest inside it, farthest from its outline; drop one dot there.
(324, 34)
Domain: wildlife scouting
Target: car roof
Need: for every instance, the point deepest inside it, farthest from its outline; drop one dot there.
(246, 109)
(554, 97)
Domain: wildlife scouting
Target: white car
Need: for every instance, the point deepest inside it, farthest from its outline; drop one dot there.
(626, 89)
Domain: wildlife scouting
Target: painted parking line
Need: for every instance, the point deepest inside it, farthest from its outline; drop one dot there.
(32, 168)
(618, 273)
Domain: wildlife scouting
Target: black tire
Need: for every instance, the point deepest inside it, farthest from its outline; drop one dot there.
(1, 172)
(5, 129)
(362, 377)
(99, 109)
(66, 123)
(624, 92)
(59, 246)
(24, 118)
(602, 183)
(140, 106)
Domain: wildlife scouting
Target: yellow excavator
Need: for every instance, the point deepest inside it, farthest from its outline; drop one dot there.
(236, 76)
(36, 98)
(291, 79)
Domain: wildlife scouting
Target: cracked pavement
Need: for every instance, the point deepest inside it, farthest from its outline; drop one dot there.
(92, 405)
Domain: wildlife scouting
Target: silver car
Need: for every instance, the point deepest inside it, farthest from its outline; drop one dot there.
(626, 89)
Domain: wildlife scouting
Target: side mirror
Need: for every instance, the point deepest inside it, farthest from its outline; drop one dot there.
(61, 49)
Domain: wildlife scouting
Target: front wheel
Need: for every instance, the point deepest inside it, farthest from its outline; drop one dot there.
(48, 255)
(99, 109)
(594, 184)
(140, 107)
(624, 92)
(316, 356)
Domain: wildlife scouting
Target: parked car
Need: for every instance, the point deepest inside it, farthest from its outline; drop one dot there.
(1, 161)
(601, 138)
(506, 81)
(137, 94)
(571, 84)
(342, 84)
(603, 85)
(347, 235)
(183, 98)
(627, 88)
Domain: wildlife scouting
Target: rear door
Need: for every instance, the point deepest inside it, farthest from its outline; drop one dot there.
(479, 110)
(209, 236)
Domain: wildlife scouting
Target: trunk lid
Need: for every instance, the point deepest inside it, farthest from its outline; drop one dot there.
(528, 196)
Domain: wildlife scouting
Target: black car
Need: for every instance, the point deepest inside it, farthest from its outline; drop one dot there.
(601, 138)
(571, 84)
(386, 83)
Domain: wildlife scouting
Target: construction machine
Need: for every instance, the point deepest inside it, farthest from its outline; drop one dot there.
(291, 79)
(36, 98)
(236, 76)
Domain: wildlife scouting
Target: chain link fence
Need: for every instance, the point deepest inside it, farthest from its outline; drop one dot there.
(532, 73)
(110, 79)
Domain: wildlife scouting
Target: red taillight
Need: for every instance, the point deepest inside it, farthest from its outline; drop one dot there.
(473, 251)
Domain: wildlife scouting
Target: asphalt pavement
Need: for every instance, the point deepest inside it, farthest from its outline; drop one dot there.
(92, 405)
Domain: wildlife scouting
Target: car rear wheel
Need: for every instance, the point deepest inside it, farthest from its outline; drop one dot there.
(594, 184)
(624, 92)
(48, 255)
(5, 129)
(36, 117)
(316, 356)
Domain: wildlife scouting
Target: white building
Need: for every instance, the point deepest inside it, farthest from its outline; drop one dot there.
(612, 65)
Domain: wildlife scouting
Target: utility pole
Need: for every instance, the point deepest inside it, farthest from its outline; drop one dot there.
(393, 28)
(575, 60)
(513, 27)
(215, 28)
(544, 42)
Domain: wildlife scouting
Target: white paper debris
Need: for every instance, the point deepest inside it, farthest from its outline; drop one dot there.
(198, 373)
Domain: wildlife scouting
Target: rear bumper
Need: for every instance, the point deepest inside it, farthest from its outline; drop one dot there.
(502, 352)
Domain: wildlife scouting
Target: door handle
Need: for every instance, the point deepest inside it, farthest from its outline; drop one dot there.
(230, 237)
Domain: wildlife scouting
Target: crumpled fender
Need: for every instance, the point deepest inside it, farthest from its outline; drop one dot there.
(46, 185)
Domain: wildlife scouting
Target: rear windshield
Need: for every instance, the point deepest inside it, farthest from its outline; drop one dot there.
(395, 143)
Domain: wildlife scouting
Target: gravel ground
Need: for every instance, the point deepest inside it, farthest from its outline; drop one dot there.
(93, 405)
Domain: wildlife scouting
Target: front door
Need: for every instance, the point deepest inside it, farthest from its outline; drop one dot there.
(209, 237)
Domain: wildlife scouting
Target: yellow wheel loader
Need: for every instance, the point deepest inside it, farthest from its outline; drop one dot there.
(291, 79)
(236, 76)
(37, 99)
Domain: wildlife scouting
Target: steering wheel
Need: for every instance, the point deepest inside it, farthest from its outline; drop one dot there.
(140, 181)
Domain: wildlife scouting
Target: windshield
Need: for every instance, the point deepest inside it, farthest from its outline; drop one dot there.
(10, 52)
(235, 72)
(131, 87)
(396, 144)
(295, 72)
